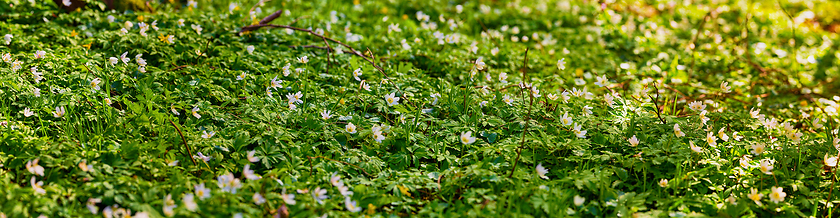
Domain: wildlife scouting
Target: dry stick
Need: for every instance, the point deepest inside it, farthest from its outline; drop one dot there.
(527, 118)
(319, 47)
(686, 97)
(656, 104)
(759, 67)
(353, 165)
(271, 17)
(524, 131)
(264, 23)
(352, 50)
(206, 45)
(311, 168)
(185, 142)
(605, 76)
(833, 178)
(86, 67)
(329, 51)
(332, 54)
(373, 57)
(177, 68)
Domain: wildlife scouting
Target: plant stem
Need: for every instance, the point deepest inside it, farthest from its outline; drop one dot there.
(527, 118)
(189, 152)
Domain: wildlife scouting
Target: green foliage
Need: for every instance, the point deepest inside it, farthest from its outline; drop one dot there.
(750, 85)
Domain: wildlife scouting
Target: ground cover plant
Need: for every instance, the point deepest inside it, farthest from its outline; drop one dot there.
(419, 108)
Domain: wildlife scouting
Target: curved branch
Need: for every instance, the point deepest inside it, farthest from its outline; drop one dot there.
(658, 112)
(352, 50)
(318, 47)
(185, 142)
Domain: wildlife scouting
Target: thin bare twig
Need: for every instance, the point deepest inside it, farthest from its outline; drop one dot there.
(318, 47)
(404, 97)
(759, 67)
(370, 60)
(329, 60)
(656, 104)
(527, 118)
(311, 168)
(178, 68)
(833, 179)
(352, 50)
(271, 17)
(189, 152)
